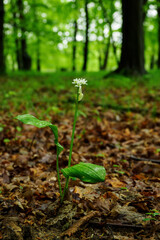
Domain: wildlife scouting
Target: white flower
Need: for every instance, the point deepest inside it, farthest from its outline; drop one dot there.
(79, 82)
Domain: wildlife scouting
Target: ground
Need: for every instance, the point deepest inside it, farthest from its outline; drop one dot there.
(118, 127)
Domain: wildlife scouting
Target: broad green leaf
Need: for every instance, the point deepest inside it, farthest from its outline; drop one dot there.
(86, 172)
(31, 120)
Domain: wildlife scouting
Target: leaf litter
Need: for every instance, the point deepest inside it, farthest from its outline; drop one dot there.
(125, 206)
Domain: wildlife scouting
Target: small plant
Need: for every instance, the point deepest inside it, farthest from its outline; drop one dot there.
(152, 215)
(86, 172)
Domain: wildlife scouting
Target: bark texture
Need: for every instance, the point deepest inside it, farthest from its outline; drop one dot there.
(25, 59)
(85, 54)
(158, 10)
(2, 58)
(132, 53)
(74, 45)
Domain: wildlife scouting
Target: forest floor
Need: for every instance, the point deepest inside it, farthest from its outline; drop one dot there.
(118, 127)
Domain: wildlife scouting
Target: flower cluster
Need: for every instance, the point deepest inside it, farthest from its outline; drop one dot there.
(79, 82)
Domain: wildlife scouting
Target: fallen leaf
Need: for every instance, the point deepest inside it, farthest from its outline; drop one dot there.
(114, 182)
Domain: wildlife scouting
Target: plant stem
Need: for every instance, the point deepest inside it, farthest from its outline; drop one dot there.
(71, 146)
(58, 175)
(73, 130)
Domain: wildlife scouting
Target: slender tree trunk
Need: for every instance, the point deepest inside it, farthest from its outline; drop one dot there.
(110, 37)
(74, 46)
(145, 9)
(26, 59)
(37, 33)
(15, 35)
(85, 54)
(152, 62)
(38, 55)
(100, 60)
(2, 58)
(158, 10)
(104, 66)
(132, 52)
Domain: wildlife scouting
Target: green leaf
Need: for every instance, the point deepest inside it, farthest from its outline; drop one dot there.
(120, 172)
(86, 172)
(156, 214)
(116, 166)
(6, 140)
(31, 120)
(146, 219)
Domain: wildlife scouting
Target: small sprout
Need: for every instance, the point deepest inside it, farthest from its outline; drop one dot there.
(100, 155)
(19, 129)
(124, 188)
(81, 113)
(117, 166)
(156, 214)
(120, 172)
(146, 219)
(124, 160)
(6, 140)
(153, 214)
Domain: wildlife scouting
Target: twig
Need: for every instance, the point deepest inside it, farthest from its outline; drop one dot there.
(75, 227)
(116, 224)
(124, 108)
(143, 159)
(31, 144)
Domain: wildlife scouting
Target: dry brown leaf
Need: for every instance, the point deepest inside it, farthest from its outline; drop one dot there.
(16, 229)
(114, 182)
(104, 204)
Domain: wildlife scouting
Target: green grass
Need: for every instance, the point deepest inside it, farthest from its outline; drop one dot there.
(45, 93)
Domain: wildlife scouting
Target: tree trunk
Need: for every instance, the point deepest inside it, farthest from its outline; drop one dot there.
(132, 52)
(25, 58)
(15, 35)
(38, 55)
(85, 54)
(2, 59)
(158, 10)
(104, 65)
(110, 37)
(152, 62)
(74, 45)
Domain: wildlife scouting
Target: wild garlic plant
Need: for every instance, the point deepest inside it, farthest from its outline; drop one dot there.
(86, 172)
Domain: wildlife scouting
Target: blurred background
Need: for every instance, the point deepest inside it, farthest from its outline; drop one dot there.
(45, 44)
(75, 35)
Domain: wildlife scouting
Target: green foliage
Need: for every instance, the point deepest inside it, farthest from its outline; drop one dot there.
(31, 120)
(153, 214)
(86, 172)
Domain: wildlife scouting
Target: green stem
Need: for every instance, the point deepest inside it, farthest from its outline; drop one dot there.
(58, 175)
(71, 146)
